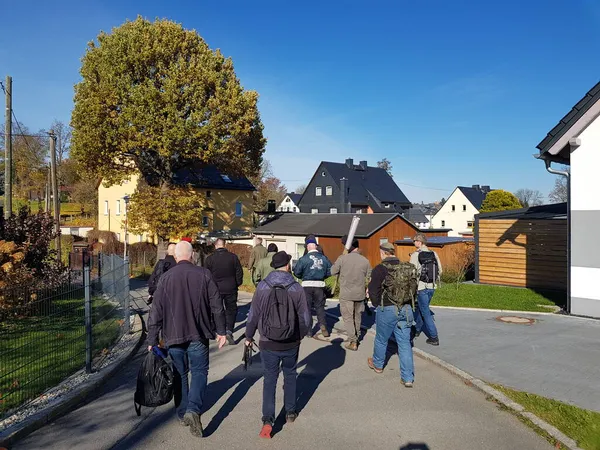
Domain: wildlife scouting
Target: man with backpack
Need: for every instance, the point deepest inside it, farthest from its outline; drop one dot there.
(312, 269)
(354, 270)
(280, 313)
(429, 270)
(392, 291)
(159, 269)
(187, 307)
(229, 276)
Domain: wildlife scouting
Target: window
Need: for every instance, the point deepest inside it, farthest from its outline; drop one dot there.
(118, 208)
(118, 236)
(470, 224)
(386, 205)
(106, 207)
(333, 210)
(383, 241)
(314, 211)
(295, 209)
(140, 238)
(328, 190)
(318, 191)
(443, 223)
(205, 221)
(226, 178)
(287, 199)
(464, 208)
(323, 173)
(238, 209)
(453, 208)
(208, 194)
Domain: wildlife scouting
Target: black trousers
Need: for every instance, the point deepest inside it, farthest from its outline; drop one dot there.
(231, 310)
(316, 299)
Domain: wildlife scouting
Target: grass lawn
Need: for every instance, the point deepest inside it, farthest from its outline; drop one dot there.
(38, 352)
(581, 425)
(496, 297)
(247, 286)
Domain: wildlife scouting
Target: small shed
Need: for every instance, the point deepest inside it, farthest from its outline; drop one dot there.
(448, 249)
(523, 247)
(288, 232)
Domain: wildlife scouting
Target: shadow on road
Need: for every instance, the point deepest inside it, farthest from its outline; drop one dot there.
(415, 446)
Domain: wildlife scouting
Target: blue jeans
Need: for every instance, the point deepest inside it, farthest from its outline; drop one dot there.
(424, 317)
(389, 320)
(191, 357)
(273, 363)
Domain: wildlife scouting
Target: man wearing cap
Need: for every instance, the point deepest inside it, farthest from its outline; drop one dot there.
(429, 270)
(391, 290)
(354, 271)
(278, 355)
(312, 269)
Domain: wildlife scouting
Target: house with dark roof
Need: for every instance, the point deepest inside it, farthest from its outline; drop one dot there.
(290, 202)
(458, 213)
(227, 206)
(352, 188)
(575, 141)
(288, 231)
(416, 216)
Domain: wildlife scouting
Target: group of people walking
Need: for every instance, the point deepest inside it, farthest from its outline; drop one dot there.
(192, 305)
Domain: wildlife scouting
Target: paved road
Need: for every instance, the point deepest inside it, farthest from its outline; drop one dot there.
(344, 405)
(556, 357)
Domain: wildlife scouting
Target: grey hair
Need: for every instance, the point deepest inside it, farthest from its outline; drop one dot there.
(183, 251)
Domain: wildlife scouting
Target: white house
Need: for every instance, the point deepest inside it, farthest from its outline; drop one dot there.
(290, 203)
(575, 141)
(458, 213)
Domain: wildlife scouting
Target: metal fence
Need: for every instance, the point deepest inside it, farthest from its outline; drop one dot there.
(47, 334)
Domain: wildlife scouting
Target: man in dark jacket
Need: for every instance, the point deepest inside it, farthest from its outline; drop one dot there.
(312, 269)
(229, 275)
(278, 355)
(161, 267)
(391, 280)
(187, 305)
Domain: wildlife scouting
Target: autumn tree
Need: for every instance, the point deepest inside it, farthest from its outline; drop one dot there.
(529, 197)
(386, 165)
(499, 200)
(63, 140)
(559, 193)
(153, 99)
(268, 187)
(300, 189)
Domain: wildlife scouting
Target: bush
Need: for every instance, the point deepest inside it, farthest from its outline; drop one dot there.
(142, 254)
(499, 200)
(242, 251)
(107, 241)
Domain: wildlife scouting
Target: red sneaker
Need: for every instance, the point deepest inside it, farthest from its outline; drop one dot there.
(265, 433)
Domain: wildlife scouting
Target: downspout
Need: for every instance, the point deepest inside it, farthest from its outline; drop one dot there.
(567, 175)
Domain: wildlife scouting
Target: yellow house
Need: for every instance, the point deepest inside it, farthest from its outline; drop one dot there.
(228, 207)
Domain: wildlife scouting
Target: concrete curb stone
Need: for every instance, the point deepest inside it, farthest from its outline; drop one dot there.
(498, 396)
(78, 396)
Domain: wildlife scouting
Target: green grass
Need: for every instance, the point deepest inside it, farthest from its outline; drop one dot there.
(496, 297)
(38, 352)
(581, 425)
(247, 285)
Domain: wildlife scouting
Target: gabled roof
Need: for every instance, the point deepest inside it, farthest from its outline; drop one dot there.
(294, 197)
(474, 195)
(365, 185)
(582, 106)
(209, 177)
(415, 215)
(326, 225)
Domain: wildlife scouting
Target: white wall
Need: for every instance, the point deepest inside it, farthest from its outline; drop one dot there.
(458, 219)
(288, 205)
(585, 162)
(289, 244)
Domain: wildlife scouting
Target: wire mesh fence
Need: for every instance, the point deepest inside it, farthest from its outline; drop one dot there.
(46, 334)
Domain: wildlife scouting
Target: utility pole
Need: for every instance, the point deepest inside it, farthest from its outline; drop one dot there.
(55, 197)
(8, 151)
(48, 189)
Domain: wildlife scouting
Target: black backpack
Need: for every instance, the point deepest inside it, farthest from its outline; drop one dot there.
(429, 267)
(154, 383)
(279, 316)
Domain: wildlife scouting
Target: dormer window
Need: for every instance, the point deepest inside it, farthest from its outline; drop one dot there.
(226, 178)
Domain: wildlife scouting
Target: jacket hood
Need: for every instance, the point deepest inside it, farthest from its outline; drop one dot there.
(279, 277)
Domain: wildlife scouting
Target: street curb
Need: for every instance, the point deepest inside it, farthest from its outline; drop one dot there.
(72, 400)
(485, 388)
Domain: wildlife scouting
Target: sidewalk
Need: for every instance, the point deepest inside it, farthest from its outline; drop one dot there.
(557, 357)
(344, 405)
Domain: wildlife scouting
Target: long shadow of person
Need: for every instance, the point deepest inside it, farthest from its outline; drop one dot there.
(317, 366)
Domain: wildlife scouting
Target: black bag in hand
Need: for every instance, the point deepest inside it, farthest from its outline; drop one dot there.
(155, 382)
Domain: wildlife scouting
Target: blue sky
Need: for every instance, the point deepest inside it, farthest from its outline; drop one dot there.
(452, 92)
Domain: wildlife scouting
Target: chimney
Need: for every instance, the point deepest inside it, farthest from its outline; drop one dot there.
(363, 165)
(476, 186)
(485, 189)
(343, 195)
(350, 163)
(271, 206)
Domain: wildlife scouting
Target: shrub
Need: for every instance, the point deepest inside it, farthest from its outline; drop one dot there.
(499, 200)
(242, 251)
(107, 240)
(142, 254)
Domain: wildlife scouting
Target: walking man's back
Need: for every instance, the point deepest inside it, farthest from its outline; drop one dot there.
(161, 267)
(229, 276)
(280, 313)
(187, 305)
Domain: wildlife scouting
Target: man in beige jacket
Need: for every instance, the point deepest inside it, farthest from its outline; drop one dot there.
(354, 270)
